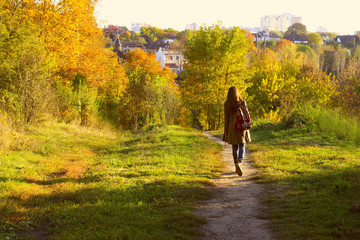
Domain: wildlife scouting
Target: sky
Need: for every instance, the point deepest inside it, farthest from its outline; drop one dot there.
(341, 17)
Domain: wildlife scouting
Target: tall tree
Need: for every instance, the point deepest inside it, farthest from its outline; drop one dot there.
(217, 60)
(334, 59)
(314, 40)
(284, 78)
(151, 93)
(156, 33)
(25, 68)
(266, 82)
(348, 88)
(297, 28)
(70, 33)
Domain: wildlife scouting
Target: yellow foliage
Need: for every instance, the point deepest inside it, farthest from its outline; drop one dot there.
(185, 118)
(273, 116)
(70, 33)
(151, 93)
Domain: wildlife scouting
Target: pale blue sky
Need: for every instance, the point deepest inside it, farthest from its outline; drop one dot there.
(341, 17)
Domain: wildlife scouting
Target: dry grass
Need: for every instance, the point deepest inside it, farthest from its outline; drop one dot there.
(8, 136)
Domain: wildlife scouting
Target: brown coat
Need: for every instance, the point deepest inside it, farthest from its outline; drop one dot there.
(234, 136)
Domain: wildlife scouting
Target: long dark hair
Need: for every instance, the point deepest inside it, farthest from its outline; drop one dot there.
(233, 96)
(233, 99)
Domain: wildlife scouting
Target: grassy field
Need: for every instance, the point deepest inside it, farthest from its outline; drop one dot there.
(311, 168)
(67, 182)
(313, 181)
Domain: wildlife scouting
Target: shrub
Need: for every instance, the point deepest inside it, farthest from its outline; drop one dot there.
(327, 121)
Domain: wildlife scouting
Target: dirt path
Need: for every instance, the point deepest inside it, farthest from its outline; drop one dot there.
(235, 211)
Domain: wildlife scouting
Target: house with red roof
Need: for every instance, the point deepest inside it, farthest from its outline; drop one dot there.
(114, 30)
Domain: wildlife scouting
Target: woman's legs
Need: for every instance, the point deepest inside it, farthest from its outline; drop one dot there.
(238, 152)
(235, 148)
(241, 152)
(235, 152)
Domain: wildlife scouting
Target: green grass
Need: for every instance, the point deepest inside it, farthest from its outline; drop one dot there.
(67, 182)
(313, 180)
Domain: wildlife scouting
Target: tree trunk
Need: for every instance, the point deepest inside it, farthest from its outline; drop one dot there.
(136, 122)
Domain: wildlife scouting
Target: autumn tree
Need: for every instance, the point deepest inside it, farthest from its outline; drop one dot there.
(313, 86)
(142, 40)
(266, 82)
(311, 56)
(286, 49)
(180, 41)
(25, 68)
(298, 28)
(304, 81)
(348, 88)
(127, 36)
(71, 35)
(314, 40)
(170, 30)
(151, 94)
(333, 60)
(216, 62)
(53, 54)
(157, 33)
(285, 77)
(183, 35)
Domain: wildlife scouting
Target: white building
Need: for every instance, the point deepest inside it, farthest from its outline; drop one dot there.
(168, 41)
(171, 59)
(136, 27)
(279, 22)
(321, 29)
(192, 26)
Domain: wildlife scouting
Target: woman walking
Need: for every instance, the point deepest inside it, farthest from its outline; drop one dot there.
(236, 137)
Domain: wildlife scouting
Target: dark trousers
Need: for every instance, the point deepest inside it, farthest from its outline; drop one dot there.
(238, 152)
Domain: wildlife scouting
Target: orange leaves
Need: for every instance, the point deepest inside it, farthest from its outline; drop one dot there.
(145, 64)
(282, 44)
(141, 59)
(144, 69)
(115, 79)
(151, 92)
(70, 33)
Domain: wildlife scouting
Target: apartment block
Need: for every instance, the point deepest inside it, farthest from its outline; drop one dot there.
(279, 22)
(192, 26)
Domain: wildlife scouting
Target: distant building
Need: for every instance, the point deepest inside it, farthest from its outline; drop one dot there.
(114, 30)
(324, 37)
(347, 41)
(266, 36)
(130, 46)
(155, 46)
(279, 22)
(118, 50)
(297, 38)
(168, 41)
(171, 59)
(321, 29)
(136, 27)
(160, 49)
(192, 26)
